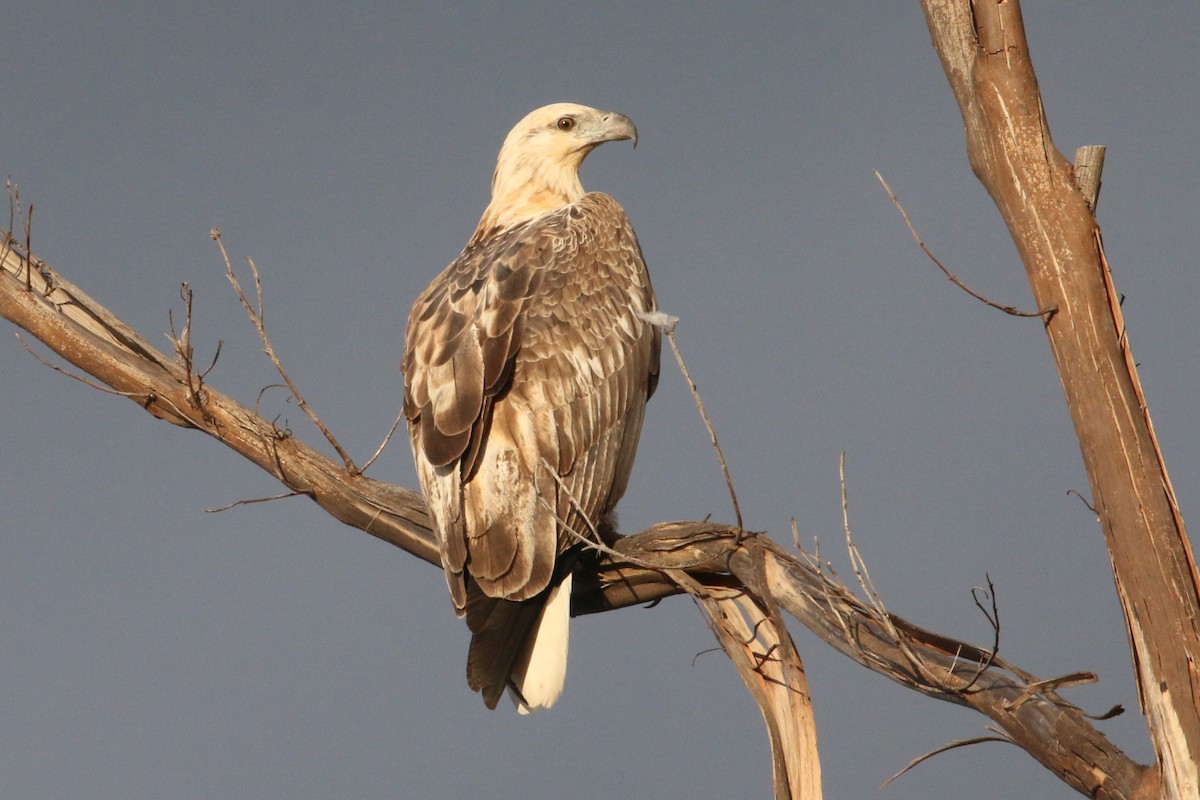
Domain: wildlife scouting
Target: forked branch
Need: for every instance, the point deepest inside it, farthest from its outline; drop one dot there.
(716, 558)
(988, 64)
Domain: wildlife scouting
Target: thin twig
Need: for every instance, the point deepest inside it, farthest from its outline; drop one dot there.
(1116, 711)
(73, 376)
(384, 443)
(253, 501)
(213, 364)
(993, 619)
(669, 330)
(948, 747)
(182, 343)
(597, 543)
(27, 222)
(573, 501)
(256, 318)
(15, 214)
(1090, 507)
(14, 199)
(953, 279)
(261, 392)
(856, 559)
(1051, 685)
(873, 595)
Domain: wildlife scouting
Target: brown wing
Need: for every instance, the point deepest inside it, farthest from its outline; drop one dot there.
(526, 355)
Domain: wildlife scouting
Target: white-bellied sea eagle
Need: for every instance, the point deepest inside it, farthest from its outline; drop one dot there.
(527, 367)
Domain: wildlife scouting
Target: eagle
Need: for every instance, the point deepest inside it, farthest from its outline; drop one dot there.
(527, 366)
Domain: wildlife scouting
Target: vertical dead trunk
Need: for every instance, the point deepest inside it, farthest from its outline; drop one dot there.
(986, 58)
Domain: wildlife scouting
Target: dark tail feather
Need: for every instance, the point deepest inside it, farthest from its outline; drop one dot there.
(499, 629)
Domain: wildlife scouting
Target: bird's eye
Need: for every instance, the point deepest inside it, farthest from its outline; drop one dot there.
(565, 123)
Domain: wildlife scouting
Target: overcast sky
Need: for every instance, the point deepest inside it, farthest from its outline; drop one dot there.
(149, 649)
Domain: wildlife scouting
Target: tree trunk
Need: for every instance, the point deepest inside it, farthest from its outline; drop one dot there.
(986, 58)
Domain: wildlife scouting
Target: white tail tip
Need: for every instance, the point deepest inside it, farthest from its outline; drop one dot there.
(541, 668)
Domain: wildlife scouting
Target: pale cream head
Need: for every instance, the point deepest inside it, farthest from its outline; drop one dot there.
(538, 167)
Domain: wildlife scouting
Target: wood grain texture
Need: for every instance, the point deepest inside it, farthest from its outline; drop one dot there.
(987, 61)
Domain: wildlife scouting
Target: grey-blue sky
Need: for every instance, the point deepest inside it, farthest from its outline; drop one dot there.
(152, 650)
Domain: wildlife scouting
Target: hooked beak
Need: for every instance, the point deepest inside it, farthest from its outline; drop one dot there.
(616, 127)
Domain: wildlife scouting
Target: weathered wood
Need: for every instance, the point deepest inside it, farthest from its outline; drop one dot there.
(89, 336)
(1041, 721)
(986, 58)
(754, 636)
(1089, 166)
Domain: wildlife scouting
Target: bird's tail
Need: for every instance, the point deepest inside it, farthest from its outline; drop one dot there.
(520, 645)
(541, 666)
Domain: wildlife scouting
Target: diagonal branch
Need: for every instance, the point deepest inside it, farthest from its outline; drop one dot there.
(89, 336)
(950, 275)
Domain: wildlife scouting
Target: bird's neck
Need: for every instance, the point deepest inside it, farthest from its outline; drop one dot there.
(524, 189)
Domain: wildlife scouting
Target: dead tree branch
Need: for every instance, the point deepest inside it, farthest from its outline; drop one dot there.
(702, 557)
(986, 58)
(950, 275)
(256, 313)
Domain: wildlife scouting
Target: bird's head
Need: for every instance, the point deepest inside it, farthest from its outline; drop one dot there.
(538, 167)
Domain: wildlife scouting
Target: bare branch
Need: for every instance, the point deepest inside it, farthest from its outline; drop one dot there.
(988, 64)
(668, 329)
(714, 556)
(253, 501)
(87, 335)
(953, 278)
(71, 375)
(993, 618)
(758, 644)
(859, 565)
(256, 318)
(14, 212)
(1052, 684)
(384, 443)
(947, 748)
(1083, 500)
(183, 350)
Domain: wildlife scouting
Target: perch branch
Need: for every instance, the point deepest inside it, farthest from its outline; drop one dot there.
(86, 335)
